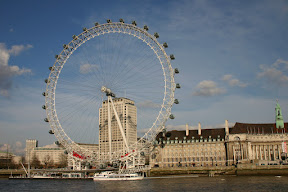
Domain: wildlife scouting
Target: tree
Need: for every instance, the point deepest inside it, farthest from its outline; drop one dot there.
(48, 162)
(35, 162)
(63, 161)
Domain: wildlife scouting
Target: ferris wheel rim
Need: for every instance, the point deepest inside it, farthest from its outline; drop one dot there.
(86, 35)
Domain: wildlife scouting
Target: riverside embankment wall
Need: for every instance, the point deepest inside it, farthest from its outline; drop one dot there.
(224, 170)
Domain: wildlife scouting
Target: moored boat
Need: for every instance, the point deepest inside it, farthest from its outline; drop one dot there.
(110, 176)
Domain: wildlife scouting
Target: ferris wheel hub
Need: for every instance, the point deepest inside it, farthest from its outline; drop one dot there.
(107, 91)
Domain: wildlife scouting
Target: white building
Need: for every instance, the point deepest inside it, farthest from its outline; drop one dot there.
(127, 113)
(190, 148)
(30, 145)
(257, 143)
(51, 155)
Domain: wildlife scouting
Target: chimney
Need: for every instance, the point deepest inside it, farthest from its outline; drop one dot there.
(187, 130)
(226, 127)
(199, 128)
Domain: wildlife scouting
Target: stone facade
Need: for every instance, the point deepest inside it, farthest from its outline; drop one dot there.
(53, 155)
(254, 143)
(244, 143)
(190, 148)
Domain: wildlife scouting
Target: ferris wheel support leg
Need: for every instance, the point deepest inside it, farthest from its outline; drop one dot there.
(119, 123)
(109, 130)
(74, 166)
(79, 166)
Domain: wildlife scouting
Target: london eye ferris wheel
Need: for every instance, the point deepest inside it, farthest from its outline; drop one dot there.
(115, 59)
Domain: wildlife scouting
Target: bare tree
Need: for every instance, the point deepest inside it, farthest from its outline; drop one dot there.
(35, 162)
(63, 160)
(48, 162)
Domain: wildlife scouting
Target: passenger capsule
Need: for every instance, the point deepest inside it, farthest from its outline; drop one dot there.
(46, 80)
(65, 152)
(156, 35)
(165, 45)
(171, 116)
(178, 86)
(43, 106)
(172, 57)
(46, 120)
(74, 37)
(57, 142)
(50, 68)
(44, 94)
(57, 56)
(121, 20)
(84, 29)
(176, 70)
(109, 21)
(65, 46)
(51, 132)
(145, 28)
(176, 101)
(134, 23)
(142, 153)
(96, 24)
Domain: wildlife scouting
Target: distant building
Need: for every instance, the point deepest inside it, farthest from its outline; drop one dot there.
(190, 148)
(257, 143)
(127, 113)
(261, 144)
(6, 158)
(30, 145)
(53, 155)
(72, 158)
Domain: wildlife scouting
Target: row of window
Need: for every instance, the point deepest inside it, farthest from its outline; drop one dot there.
(193, 159)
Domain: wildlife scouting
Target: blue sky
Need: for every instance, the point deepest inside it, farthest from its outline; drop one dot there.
(232, 57)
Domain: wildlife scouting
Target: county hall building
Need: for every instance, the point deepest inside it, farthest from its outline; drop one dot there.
(261, 144)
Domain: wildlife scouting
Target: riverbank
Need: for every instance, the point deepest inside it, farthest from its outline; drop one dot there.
(241, 170)
(251, 170)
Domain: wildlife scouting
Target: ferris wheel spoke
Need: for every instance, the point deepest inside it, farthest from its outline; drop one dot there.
(76, 106)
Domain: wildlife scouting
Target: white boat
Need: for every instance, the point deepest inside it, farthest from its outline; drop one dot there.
(109, 176)
(41, 176)
(73, 175)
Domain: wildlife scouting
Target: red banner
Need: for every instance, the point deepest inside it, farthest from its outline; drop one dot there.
(77, 155)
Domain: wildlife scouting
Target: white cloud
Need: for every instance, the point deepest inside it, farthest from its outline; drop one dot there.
(278, 62)
(7, 72)
(87, 68)
(233, 81)
(15, 148)
(208, 88)
(17, 49)
(275, 73)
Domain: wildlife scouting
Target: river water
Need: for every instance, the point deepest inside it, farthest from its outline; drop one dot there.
(220, 183)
